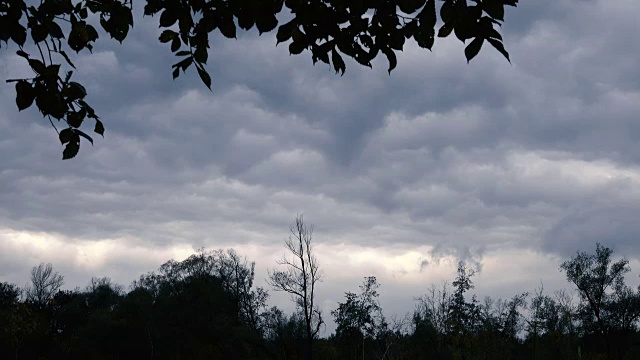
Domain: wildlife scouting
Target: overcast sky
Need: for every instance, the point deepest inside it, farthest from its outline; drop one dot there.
(512, 167)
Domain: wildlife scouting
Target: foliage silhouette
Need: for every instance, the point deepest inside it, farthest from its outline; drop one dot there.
(190, 309)
(328, 29)
(300, 278)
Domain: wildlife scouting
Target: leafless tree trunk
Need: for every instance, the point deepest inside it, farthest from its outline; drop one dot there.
(300, 278)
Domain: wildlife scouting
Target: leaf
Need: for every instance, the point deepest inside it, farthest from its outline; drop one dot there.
(500, 47)
(25, 94)
(99, 128)
(167, 36)
(19, 34)
(427, 16)
(296, 47)
(66, 57)
(50, 103)
(39, 33)
(396, 40)
(168, 18)
(266, 22)
(75, 118)
(285, 31)
(37, 66)
(391, 57)
(184, 63)
(425, 37)
(494, 8)
(445, 30)
(175, 44)
(201, 54)
(338, 63)
(473, 48)
(76, 91)
(71, 150)
(204, 75)
(228, 27)
(52, 71)
(92, 33)
(55, 30)
(448, 11)
(246, 20)
(410, 6)
(176, 73)
(183, 53)
(22, 54)
(66, 135)
(81, 133)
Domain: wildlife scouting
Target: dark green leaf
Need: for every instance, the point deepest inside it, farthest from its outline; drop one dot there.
(425, 37)
(494, 8)
(175, 44)
(39, 33)
(396, 40)
(71, 150)
(205, 77)
(23, 54)
(81, 133)
(76, 91)
(19, 34)
(266, 22)
(410, 6)
(168, 18)
(201, 55)
(445, 30)
(176, 73)
(66, 135)
(25, 94)
(99, 128)
(168, 35)
(427, 16)
(473, 48)
(52, 71)
(66, 57)
(184, 64)
(296, 47)
(75, 118)
(338, 63)
(285, 31)
(500, 47)
(391, 57)
(37, 66)
(228, 27)
(183, 53)
(55, 30)
(92, 33)
(246, 20)
(448, 11)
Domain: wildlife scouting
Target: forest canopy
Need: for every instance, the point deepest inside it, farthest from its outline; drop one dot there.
(207, 306)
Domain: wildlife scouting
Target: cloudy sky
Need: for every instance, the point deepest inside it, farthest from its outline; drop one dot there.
(510, 167)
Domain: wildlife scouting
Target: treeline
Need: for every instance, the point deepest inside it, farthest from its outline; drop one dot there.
(207, 307)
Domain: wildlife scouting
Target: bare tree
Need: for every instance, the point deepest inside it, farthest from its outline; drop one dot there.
(44, 283)
(300, 278)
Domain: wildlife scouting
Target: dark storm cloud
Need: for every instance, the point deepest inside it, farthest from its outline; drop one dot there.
(465, 160)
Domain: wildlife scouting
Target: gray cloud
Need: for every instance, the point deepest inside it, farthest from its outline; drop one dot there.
(439, 161)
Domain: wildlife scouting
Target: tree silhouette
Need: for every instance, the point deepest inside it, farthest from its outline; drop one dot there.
(300, 278)
(44, 284)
